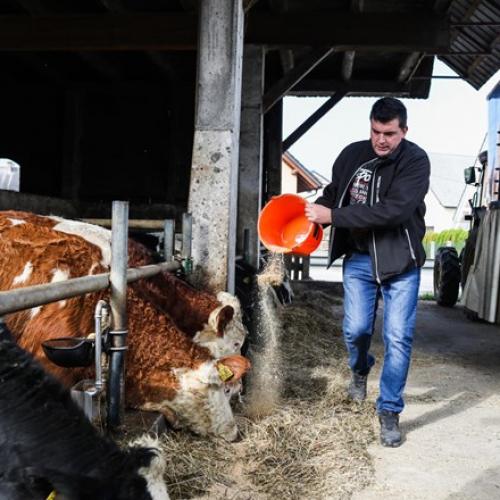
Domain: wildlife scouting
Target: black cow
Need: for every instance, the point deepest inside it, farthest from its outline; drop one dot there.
(47, 444)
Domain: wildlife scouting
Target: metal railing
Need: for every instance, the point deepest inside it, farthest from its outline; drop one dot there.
(117, 279)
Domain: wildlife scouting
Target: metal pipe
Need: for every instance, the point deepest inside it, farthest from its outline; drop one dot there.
(246, 245)
(187, 235)
(118, 303)
(101, 313)
(132, 223)
(137, 273)
(168, 240)
(38, 295)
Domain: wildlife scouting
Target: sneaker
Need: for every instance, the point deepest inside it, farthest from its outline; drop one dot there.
(390, 434)
(357, 387)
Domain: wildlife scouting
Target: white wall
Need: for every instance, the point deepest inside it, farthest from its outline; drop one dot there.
(439, 217)
(288, 179)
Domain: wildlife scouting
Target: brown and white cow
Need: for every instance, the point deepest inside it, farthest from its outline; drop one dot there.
(173, 329)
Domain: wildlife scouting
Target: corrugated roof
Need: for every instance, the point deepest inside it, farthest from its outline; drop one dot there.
(476, 36)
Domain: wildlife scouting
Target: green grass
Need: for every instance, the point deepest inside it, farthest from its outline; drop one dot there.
(426, 296)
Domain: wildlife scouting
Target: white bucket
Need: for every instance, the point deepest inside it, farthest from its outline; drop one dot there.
(10, 173)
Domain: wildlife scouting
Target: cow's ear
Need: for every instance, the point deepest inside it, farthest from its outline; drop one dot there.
(232, 368)
(220, 317)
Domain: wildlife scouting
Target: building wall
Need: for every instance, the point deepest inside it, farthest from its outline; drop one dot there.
(288, 179)
(439, 218)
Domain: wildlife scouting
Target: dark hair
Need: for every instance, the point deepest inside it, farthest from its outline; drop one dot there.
(387, 109)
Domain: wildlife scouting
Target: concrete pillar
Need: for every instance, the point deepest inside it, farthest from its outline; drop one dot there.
(214, 174)
(251, 151)
(273, 137)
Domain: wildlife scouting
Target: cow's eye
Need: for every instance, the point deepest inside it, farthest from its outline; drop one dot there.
(227, 390)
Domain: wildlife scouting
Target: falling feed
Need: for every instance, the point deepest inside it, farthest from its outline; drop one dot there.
(265, 384)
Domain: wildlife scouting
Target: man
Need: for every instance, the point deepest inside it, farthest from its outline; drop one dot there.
(375, 207)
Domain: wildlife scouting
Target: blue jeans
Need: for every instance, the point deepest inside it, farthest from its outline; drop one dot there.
(400, 295)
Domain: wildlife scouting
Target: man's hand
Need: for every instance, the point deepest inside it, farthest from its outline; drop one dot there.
(318, 213)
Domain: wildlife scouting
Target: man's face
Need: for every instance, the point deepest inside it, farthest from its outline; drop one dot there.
(386, 137)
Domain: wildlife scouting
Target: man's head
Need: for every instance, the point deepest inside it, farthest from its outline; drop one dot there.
(387, 125)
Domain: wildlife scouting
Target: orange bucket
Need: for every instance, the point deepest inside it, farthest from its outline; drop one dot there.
(284, 228)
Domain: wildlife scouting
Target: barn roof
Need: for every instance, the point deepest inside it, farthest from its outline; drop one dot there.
(330, 47)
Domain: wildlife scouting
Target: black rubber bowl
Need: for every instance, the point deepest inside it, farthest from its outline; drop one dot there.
(69, 352)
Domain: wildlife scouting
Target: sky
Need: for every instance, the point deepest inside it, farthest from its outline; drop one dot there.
(452, 120)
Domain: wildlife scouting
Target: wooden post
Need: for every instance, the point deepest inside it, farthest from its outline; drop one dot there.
(273, 130)
(251, 154)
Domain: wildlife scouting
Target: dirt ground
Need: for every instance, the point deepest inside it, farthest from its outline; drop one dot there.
(452, 418)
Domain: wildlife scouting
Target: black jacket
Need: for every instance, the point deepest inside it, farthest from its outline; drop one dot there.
(395, 210)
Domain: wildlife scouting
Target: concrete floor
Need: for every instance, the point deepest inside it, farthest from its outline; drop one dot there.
(452, 419)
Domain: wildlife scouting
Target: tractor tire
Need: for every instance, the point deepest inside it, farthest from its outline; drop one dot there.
(446, 276)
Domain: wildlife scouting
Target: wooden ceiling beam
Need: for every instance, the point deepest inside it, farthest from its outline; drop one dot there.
(329, 87)
(350, 31)
(300, 71)
(422, 33)
(312, 120)
(347, 64)
(409, 65)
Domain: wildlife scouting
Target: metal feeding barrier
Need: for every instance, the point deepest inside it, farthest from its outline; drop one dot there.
(86, 392)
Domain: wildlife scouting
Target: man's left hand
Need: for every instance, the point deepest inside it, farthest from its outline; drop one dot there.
(318, 213)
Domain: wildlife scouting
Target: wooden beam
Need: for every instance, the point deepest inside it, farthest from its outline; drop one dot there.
(178, 31)
(350, 31)
(313, 119)
(306, 65)
(348, 64)
(99, 32)
(328, 87)
(248, 4)
(408, 65)
(287, 60)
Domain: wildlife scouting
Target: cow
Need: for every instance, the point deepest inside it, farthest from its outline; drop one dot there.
(47, 444)
(167, 370)
(213, 322)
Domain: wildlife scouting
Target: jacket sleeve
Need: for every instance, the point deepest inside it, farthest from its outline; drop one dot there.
(407, 190)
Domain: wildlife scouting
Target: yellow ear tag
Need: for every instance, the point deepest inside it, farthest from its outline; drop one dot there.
(52, 495)
(224, 372)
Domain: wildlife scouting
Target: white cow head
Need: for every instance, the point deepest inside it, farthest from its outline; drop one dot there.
(225, 332)
(202, 399)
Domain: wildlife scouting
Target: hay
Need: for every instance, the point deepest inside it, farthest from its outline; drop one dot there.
(273, 272)
(313, 444)
(264, 386)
